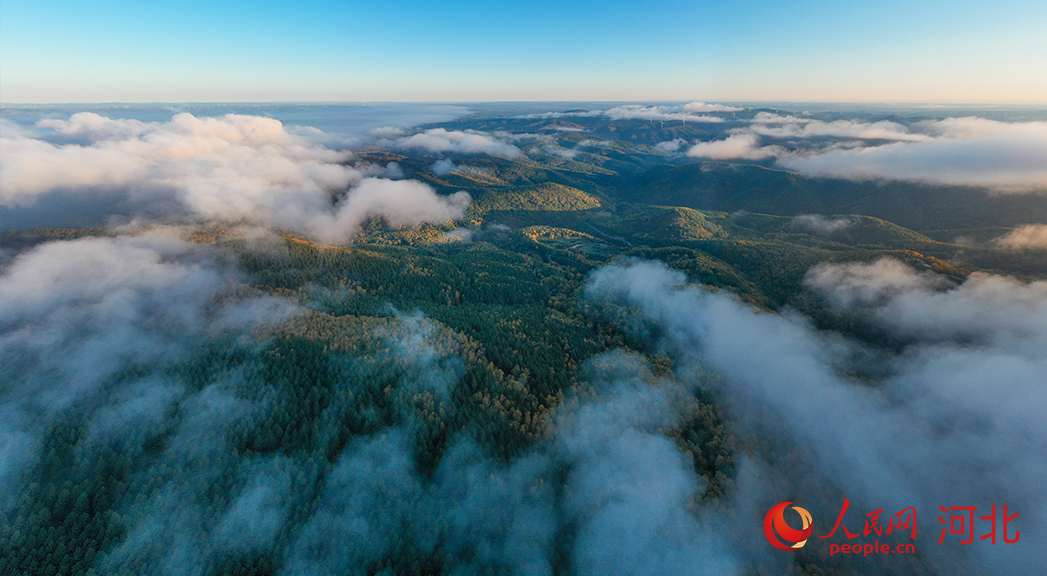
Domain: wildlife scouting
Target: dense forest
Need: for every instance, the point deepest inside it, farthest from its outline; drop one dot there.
(480, 395)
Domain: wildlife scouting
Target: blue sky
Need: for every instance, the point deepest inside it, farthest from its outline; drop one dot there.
(321, 50)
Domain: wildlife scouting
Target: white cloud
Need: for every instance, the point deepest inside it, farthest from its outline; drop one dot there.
(1003, 156)
(462, 142)
(393, 171)
(693, 112)
(966, 398)
(972, 127)
(706, 107)
(400, 203)
(575, 114)
(819, 224)
(985, 311)
(848, 285)
(1028, 236)
(75, 315)
(245, 155)
(738, 146)
(460, 235)
(560, 151)
(662, 113)
(443, 167)
(231, 169)
(773, 125)
(1009, 157)
(387, 132)
(630, 490)
(673, 145)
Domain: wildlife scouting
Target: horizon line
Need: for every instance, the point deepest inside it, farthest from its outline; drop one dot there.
(467, 102)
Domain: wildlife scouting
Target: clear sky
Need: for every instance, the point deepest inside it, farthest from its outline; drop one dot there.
(323, 50)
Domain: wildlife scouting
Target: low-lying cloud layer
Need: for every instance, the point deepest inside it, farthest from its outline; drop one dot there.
(111, 336)
(971, 151)
(738, 146)
(443, 167)
(148, 345)
(692, 112)
(456, 141)
(671, 146)
(233, 169)
(627, 496)
(776, 126)
(82, 321)
(95, 329)
(1009, 157)
(1028, 236)
(957, 417)
(819, 224)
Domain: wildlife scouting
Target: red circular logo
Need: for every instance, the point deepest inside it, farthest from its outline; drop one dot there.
(776, 529)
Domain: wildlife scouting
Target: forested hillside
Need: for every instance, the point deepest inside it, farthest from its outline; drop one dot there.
(473, 395)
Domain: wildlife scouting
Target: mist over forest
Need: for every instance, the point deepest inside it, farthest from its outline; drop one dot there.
(578, 338)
